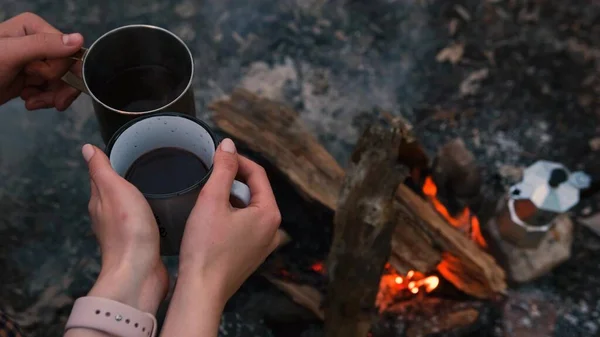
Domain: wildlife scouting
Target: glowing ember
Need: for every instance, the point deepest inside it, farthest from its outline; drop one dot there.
(465, 221)
(318, 267)
(393, 286)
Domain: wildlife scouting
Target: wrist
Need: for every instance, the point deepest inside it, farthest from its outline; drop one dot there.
(198, 285)
(196, 306)
(123, 284)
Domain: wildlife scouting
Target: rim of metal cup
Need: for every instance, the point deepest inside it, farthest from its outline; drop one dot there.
(205, 126)
(187, 87)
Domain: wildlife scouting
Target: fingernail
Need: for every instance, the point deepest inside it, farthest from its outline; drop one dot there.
(88, 152)
(227, 145)
(71, 39)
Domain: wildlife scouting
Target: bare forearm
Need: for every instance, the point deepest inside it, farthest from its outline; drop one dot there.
(195, 309)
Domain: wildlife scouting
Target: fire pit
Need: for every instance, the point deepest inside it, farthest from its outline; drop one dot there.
(416, 249)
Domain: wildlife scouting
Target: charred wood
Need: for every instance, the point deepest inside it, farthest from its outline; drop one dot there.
(364, 221)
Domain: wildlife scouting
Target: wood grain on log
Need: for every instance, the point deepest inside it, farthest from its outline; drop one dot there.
(276, 132)
(364, 222)
(412, 248)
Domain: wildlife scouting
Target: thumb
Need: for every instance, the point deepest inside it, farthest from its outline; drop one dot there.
(225, 167)
(103, 178)
(40, 46)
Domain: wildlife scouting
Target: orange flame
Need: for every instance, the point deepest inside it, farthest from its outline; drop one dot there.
(465, 221)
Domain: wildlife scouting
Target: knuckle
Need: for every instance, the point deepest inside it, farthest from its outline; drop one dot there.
(93, 207)
(55, 76)
(229, 163)
(272, 216)
(261, 170)
(204, 193)
(256, 168)
(123, 216)
(52, 74)
(277, 217)
(41, 38)
(98, 168)
(29, 17)
(94, 172)
(100, 176)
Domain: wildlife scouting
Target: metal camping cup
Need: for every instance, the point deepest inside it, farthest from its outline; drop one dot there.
(169, 130)
(151, 52)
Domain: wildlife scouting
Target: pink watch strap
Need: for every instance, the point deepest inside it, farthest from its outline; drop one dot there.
(111, 317)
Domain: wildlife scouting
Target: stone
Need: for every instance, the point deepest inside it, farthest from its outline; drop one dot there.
(524, 265)
(528, 314)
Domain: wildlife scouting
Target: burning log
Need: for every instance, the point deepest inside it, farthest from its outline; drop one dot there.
(422, 241)
(412, 249)
(463, 263)
(364, 222)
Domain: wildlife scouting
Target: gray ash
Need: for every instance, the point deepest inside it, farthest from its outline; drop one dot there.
(234, 324)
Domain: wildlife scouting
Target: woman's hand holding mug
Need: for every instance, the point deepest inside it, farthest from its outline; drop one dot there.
(132, 271)
(222, 245)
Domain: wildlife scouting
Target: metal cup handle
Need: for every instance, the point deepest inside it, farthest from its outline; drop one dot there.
(73, 80)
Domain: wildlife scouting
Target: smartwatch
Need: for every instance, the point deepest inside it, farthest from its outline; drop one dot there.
(111, 317)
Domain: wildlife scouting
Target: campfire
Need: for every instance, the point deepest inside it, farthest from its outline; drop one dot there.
(395, 287)
(414, 238)
(465, 220)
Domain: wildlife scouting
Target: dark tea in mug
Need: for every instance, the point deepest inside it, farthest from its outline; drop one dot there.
(166, 170)
(141, 88)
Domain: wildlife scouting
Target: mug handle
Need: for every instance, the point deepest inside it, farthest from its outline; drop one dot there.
(73, 80)
(241, 192)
